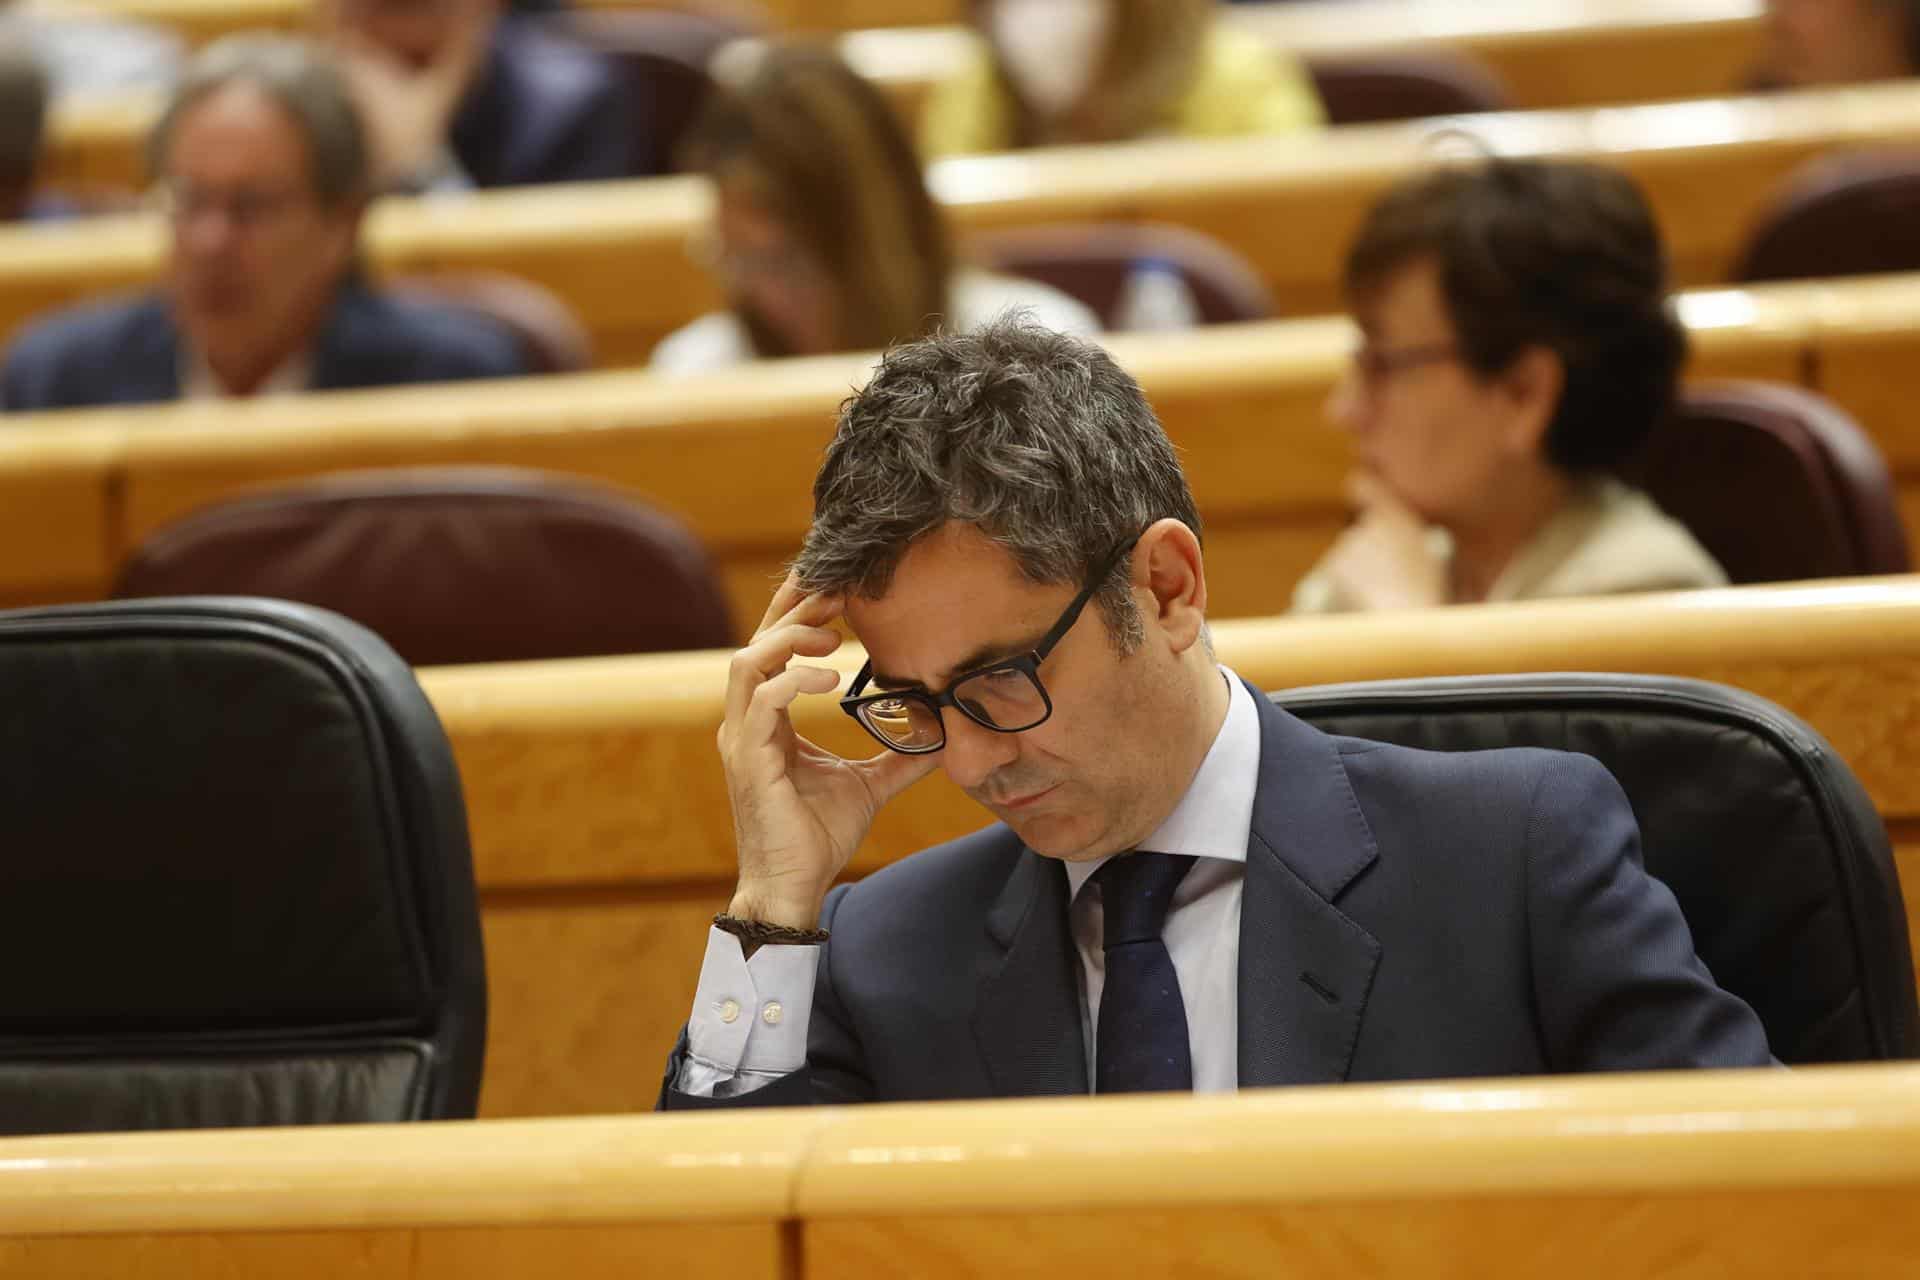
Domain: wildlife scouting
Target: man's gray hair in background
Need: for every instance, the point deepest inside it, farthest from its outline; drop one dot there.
(23, 115)
(1037, 438)
(297, 75)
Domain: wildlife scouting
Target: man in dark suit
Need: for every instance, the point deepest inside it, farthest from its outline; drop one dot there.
(1187, 888)
(458, 96)
(262, 162)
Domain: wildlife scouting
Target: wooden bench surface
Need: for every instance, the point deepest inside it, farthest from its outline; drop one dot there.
(616, 251)
(199, 21)
(1573, 54)
(1682, 1174)
(1243, 402)
(603, 844)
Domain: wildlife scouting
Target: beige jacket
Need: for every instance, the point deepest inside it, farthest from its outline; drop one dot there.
(1608, 540)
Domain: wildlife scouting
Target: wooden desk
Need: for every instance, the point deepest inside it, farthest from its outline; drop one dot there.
(1243, 402)
(1687, 1175)
(603, 845)
(199, 21)
(663, 1196)
(1770, 1174)
(1576, 53)
(616, 253)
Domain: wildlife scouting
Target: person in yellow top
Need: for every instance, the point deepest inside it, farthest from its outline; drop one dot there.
(1055, 72)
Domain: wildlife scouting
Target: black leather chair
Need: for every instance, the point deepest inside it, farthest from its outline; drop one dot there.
(1777, 856)
(237, 888)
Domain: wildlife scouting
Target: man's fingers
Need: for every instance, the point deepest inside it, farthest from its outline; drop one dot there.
(790, 594)
(766, 709)
(769, 653)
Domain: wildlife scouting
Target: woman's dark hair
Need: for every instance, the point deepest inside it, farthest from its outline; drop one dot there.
(1554, 254)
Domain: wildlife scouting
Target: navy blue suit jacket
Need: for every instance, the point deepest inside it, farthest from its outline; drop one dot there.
(128, 352)
(1405, 915)
(545, 110)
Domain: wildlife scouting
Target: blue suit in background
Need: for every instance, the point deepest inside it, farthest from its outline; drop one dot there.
(543, 109)
(128, 351)
(1404, 915)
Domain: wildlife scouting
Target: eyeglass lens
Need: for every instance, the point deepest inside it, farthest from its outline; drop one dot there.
(1003, 698)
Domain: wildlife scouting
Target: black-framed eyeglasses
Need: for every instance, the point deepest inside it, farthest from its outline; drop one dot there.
(1005, 696)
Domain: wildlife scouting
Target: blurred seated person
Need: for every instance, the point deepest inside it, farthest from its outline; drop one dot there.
(1053, 72)
(262, 167)
(1824, 42)
(458, 97)
(825, 235)
(23, 117)
(1517, 345)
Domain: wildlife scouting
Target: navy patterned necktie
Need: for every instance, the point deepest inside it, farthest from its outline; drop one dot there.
(1141, 1044)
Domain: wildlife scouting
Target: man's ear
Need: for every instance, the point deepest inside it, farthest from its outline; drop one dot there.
(1168, 565)
(1531, 386)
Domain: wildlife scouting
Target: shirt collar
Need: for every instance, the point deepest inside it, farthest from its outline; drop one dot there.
(199, 382)
(1215, 818)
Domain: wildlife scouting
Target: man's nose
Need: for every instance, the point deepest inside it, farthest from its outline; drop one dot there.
(973, 751)
(206, 231)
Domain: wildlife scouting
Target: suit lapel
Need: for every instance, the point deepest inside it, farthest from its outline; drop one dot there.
(1305, 968)
(1027, 1019)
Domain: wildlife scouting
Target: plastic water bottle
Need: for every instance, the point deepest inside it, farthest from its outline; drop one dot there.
(1155, 299)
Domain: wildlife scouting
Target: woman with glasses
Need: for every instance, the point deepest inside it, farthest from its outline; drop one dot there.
(1055, 72)
(1517, 345)
(824, 236)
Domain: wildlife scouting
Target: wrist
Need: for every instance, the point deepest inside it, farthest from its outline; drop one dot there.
(783, 910)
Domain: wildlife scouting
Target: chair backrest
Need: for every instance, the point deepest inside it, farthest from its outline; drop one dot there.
(1776, 481)
(1855, 213)
(664, 53)
(1404, 86)
(550, 334)
(237, 888)
(1090, 261)
(451, 565)
(1776, 855)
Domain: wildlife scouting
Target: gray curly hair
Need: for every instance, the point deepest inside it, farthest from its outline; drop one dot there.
(1036, 438)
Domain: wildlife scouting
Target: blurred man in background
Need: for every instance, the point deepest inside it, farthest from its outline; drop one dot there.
(457, 96)
(262, 167)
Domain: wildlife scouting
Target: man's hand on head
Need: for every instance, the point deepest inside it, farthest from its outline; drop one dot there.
(799, 811)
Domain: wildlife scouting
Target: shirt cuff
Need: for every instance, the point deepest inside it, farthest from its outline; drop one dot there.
(752, 1015)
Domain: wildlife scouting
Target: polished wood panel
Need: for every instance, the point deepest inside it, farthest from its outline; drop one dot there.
(1518, 1235)
(664, 1170)
(1678, 1175)
(407, 1202)
(1243, 402)
(1764, 1173)
(601, 831)
(201, 20)
(615, 251)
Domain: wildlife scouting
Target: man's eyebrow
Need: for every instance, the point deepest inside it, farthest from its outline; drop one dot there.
(985, 656)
